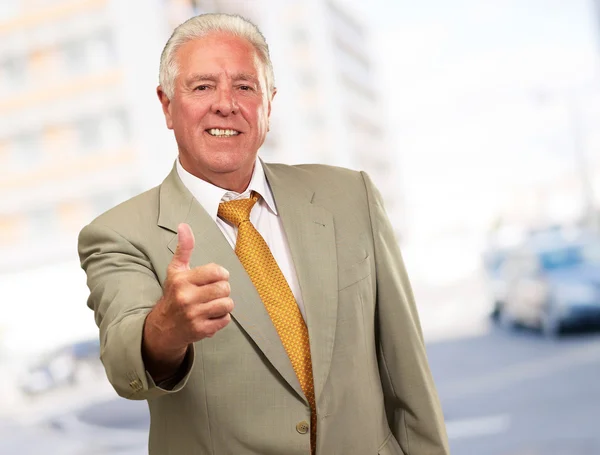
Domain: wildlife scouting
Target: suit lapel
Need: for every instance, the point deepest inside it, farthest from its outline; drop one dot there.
(177, 205)
(311, 237)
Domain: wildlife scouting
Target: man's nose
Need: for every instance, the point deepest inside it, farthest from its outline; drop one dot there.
(225, 102)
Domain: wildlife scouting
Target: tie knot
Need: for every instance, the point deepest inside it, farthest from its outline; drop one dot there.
(238, 210)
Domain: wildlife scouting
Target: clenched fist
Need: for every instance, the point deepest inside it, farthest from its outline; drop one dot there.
(195, 305)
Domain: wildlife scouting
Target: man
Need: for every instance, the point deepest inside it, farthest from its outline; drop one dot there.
(259, 308)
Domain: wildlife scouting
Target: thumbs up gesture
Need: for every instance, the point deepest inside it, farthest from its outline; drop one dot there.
(195, 305)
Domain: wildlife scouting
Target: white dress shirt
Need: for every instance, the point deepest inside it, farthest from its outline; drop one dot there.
(264, 217)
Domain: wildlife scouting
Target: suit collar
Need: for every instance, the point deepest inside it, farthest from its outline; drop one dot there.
(174, 201)
(210, 196)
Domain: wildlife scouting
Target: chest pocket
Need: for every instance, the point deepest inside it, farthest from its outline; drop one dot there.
(354, 273)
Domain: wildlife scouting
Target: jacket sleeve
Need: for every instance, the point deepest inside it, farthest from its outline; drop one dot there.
(123, 290)
(413, 409)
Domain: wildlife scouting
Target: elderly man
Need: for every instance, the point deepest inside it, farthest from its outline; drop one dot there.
(259, 308)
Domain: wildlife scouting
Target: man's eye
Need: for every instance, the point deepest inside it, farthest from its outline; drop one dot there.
(245, 87)
(202, 87)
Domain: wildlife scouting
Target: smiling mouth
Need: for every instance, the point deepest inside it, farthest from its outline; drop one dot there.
(217, 132)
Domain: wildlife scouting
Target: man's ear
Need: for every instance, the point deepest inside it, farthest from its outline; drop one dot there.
(273, 93)
(166, 106)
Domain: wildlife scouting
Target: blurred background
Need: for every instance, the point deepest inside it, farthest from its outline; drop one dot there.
(477, 121)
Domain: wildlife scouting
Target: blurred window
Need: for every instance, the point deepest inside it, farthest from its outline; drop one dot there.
(353, 63)
(103, 130)
(88, 132)
(13, 71)
(42, 222)
(4, 156)
(74, 56)
(10, 229)
(26, 149)
(115, 128)
(342, 21)
(562, 258)
(359, 84)
(100, 50)
(38, 61)
(72, 215)
(58, 139)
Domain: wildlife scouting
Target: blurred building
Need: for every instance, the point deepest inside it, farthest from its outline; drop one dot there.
(73, 134)
(80, 128)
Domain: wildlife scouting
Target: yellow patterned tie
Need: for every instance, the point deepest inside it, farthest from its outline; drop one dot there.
(254, 254)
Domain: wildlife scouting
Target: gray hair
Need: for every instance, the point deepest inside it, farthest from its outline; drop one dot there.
(199, 26)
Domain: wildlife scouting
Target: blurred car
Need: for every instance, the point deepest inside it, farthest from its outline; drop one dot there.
(493, 263)
(64, 366)
(551, 282)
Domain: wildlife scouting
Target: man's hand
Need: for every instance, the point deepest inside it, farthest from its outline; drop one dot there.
(195, 305)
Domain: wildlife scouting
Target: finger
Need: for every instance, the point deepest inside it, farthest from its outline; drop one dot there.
(213, 291)
(185, 247)
(216, 308)
(207, 274)
(212, 326)
(189, 294)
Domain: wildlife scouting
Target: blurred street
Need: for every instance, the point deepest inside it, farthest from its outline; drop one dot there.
(503, 393)
(520, 394)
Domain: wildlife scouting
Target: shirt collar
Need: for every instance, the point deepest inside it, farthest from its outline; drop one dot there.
(210, 196)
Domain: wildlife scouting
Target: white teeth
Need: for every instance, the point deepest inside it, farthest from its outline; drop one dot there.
(221, 133)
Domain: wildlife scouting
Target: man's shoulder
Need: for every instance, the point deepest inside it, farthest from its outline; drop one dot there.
(335, 188)
(318, 173)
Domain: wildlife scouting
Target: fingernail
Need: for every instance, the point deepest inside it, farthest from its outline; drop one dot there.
(225, 272)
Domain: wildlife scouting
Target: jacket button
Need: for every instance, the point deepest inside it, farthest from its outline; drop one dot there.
(302, 427)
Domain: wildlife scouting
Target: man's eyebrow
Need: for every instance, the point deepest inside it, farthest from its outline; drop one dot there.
(215, 77)
(245, 77)
(202, 77)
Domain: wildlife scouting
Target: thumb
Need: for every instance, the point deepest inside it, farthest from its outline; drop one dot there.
(185, 246)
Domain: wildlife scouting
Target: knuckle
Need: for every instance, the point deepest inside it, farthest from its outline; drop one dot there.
(214, 310)
(211, 269)
(224, 288)
(216, 270)
(213, 291)
(189, 316)
(177, 280)
(180, 296)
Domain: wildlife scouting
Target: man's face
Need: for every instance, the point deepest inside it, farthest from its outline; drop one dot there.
(220, 109)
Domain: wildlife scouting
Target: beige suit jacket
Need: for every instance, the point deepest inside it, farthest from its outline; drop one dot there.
(374, 390)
